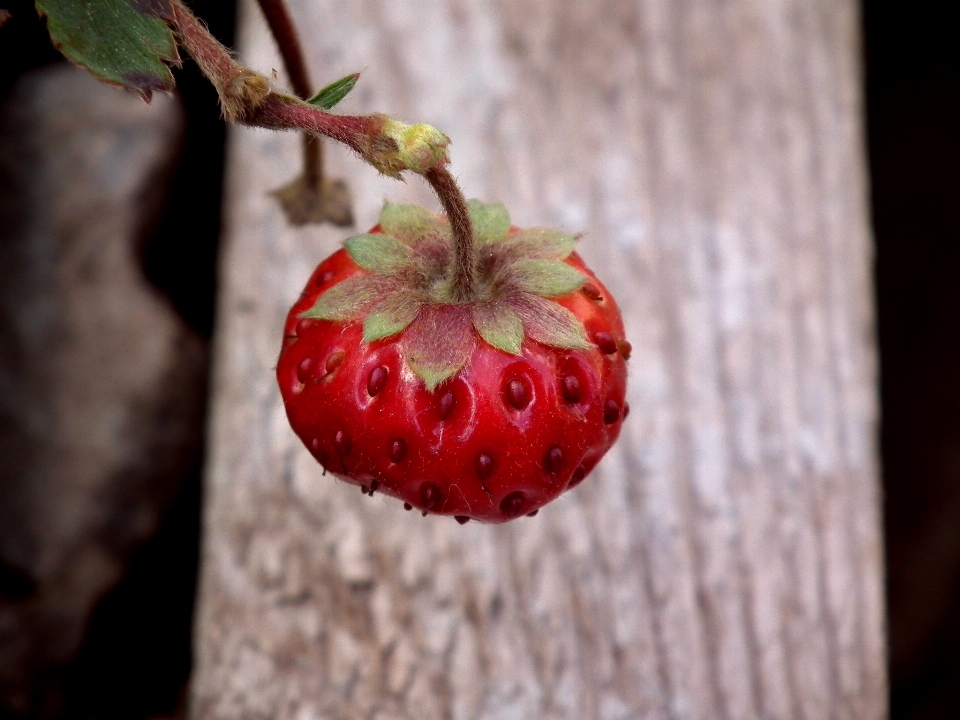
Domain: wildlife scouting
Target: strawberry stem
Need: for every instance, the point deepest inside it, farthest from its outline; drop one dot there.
(391, 147)
(465, 268)
(285, 33)
(246, 97)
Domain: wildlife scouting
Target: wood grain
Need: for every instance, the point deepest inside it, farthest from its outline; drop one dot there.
(724, 561)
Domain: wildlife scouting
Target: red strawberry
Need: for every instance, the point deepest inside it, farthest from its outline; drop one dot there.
(485, 408)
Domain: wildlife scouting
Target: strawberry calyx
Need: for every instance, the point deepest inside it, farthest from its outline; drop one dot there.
(409, 286)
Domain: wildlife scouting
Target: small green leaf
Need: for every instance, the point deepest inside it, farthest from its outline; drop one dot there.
(439, 342)
(538, 243)
(334, 92)
(499, 326)
(391, 316)
(410, 223)
(549, 323)
(123, 42)
(380, 254)
(548, 278)
(490, 222)
(348, 300)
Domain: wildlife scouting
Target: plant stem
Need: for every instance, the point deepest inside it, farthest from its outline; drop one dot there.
(294, 61)
(285, 34)
(464, 248)
(389, 146)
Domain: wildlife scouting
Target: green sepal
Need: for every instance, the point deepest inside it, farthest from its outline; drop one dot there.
(349, 300)
(499, 326)
(547, 278)
(333, 93)
(409, 223)
(549, 323)
(439, 343)
(379, 254)
(491, 222)
(119, 41)
(391, 316)
(538, 244)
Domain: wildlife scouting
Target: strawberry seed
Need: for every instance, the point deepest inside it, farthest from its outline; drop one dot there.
(512, 504)
(431, 495)
(447, 401)
(517, 394)
(398, 450)
(571, 389)
(606, 343)
(611, 412)
(484, 466)
(553, 460)
(377, 380)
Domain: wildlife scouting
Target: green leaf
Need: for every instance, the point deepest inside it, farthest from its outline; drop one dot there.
(549, 323)
(380, 254)
(490, 222)
(348, 300)
(334, 92)
(439, 342)
(538, 243)
(548, 278)
(391, 316)
(410, 223)
(499, 326)
(123, 42)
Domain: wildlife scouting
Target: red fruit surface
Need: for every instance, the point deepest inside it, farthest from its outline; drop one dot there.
(501, 439)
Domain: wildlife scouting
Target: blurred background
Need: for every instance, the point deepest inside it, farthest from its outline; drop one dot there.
(126, 555)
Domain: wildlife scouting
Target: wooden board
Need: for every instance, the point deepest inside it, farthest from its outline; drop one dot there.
(724, 561)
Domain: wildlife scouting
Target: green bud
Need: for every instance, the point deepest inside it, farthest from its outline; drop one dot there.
(420, 147)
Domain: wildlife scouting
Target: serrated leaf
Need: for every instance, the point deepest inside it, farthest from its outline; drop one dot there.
(499, 326)
(549, 323)
(333, 93)
(538, 243)
(350, 299)
(410, 222)
(439, 342)
(548, 278)
(123, 42)
(491, 222)
(379, 254)
(391, 316)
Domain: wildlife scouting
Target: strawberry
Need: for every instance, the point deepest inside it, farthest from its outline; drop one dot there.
(485, 406)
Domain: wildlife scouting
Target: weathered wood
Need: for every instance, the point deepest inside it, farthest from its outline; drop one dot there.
(724, 561)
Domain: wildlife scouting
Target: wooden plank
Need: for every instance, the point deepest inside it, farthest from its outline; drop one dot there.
(724, 561)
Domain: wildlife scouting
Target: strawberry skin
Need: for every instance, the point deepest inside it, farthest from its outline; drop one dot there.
(499, 439)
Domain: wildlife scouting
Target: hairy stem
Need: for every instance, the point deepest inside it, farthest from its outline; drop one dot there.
(294, 62)
(465, 252)
(390, 146)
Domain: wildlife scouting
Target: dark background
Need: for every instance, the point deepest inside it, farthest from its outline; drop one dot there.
(136, 658)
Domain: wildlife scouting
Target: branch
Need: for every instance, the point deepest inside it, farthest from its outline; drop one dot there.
(247, 98)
